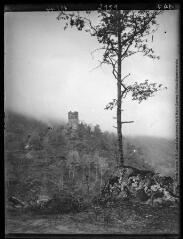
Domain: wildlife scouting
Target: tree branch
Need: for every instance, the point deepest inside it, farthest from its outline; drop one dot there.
(89, 21)
(125, 78)
(135, 34)
(126, 122)
(114, 67)
(98, 49)
(101, 62)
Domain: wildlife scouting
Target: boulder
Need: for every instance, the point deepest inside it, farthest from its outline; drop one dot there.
(144, 185)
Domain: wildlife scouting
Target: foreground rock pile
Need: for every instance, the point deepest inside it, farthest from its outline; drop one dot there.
(140, 185)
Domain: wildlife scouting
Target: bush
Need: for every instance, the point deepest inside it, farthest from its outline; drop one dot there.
(60, 203)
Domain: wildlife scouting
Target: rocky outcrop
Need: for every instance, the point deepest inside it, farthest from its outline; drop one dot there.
(139, 185)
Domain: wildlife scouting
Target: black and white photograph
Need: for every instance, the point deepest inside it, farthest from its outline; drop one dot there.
(91, 105)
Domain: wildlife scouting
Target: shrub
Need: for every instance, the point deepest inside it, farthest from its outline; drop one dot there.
(61, 203)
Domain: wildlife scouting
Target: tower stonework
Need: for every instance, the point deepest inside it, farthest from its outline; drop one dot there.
(73, 120)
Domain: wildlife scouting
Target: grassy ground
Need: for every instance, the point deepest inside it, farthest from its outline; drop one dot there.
(126, 218)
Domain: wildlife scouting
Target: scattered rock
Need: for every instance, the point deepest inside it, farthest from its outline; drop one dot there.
(15, 202)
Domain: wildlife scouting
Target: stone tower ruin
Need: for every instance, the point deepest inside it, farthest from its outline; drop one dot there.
(73, 120)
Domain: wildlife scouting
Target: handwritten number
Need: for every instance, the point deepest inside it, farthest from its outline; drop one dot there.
(165, 6)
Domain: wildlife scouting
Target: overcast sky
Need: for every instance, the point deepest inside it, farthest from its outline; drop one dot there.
(48, 72)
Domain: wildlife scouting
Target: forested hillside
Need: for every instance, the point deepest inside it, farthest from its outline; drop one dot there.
(158, 152)
(44, 160)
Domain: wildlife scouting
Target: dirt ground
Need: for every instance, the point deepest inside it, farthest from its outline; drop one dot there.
(124, 219)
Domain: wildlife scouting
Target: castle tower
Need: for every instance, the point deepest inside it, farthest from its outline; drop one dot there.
(73, 120)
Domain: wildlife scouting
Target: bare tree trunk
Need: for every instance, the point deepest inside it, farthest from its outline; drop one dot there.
(73, 172)
(119, 103)
(83, 174)
(62, 181)
(101, 180)
(89, 178)
(89, 173)
(69, 172)
(87, 183)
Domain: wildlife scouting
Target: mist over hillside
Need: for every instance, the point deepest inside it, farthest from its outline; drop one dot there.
(27, 119)
(156, 153)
